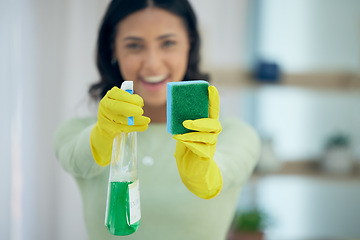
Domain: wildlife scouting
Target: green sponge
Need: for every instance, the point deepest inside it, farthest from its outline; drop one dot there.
(186, 100)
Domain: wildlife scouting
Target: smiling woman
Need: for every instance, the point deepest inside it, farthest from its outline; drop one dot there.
(180, 11)
(151, 48)
(190, 189)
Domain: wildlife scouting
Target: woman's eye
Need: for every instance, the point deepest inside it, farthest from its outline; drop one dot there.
(134, 46)
(168, 43)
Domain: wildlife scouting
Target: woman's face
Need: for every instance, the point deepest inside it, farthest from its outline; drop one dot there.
(151, 47)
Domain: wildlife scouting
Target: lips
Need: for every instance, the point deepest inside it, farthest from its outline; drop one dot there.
(154, 83)
(155, 79)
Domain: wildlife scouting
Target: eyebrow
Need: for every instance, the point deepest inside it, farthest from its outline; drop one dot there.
(166, 36)
(133, 38)
(141, 39)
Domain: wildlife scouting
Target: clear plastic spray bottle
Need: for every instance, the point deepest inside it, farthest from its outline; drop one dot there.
(123, 213)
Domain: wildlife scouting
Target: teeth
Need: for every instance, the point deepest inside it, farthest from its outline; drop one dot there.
(155, 79)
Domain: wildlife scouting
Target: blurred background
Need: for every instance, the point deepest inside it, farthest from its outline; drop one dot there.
(290, 69)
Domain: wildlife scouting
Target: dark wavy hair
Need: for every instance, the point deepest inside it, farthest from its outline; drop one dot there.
(117, 10)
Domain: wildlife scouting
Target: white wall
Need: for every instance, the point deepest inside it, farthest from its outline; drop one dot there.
(9, 58)
(300, 121)
(311, 36)
(222, 27)
(47, 64)
(306, 207)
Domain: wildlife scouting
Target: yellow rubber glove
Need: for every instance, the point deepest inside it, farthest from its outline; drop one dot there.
(195, 151)
(114, 108)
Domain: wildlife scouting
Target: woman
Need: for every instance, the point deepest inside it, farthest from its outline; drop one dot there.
(189, 183)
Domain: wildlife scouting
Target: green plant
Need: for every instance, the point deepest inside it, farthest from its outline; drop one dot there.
(252, 220)
(338, 140)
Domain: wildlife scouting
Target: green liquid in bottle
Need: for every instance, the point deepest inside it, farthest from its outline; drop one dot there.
(118, 211)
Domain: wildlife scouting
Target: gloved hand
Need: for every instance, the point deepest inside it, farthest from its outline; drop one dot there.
(195, 151)
(114, 108)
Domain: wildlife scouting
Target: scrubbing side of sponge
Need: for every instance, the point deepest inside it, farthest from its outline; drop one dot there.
(186, 100)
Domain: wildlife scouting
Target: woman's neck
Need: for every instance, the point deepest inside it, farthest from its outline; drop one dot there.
(156, 114)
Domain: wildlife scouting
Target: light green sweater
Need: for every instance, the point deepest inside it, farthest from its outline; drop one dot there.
(168, 209)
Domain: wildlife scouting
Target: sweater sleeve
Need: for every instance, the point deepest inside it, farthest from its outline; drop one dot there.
(237, 152)
(72, 148)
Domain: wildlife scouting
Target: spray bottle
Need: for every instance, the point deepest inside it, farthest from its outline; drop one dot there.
(123, 213)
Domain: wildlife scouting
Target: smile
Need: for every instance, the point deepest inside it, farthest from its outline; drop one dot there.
(155, 79)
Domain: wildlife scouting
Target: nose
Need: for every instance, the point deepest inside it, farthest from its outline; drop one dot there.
(153, 61)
